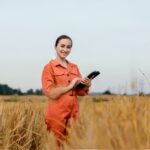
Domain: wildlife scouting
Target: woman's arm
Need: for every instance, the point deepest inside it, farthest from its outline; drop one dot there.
(84, 91)
(56, 92)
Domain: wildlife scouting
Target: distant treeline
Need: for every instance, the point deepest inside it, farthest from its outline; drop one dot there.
(6, 90)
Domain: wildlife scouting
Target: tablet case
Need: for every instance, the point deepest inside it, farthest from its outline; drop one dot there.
(92, 75)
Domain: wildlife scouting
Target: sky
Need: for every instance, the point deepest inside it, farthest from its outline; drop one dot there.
(110, 36)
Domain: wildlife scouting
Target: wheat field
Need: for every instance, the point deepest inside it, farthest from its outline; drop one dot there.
(107, 122)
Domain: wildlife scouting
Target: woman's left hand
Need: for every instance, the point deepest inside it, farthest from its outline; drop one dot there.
(86, 81)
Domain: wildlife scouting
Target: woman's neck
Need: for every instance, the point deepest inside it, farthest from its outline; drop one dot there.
(62, 61)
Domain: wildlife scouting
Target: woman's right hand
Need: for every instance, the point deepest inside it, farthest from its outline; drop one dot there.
(73, 82)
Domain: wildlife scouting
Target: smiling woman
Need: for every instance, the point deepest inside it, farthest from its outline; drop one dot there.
(59, 78)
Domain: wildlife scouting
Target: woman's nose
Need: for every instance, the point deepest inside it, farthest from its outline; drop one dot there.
(65, 49)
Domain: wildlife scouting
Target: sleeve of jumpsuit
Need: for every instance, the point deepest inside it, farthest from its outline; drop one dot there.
(84, 91)
(47, 80)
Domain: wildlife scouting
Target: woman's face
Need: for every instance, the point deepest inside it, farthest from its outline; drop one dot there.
(63, 48)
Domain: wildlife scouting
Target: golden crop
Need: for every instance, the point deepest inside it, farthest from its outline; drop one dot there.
(114, 122)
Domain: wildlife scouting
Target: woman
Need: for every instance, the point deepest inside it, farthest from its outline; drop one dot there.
(59, 79)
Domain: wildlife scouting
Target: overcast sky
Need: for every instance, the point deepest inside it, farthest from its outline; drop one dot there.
(110, 36)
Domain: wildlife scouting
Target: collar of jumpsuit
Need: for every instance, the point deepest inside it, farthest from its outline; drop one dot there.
(56, 63)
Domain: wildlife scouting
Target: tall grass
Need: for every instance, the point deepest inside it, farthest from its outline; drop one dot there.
(119, 123)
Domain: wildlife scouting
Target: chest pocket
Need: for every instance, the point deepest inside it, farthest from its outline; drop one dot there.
(59, 77)
(74, 73)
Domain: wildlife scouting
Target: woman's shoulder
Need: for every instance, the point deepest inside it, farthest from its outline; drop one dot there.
(72, 64)
(49, 64)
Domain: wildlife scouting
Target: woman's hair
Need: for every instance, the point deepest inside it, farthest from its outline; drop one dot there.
(63, 37)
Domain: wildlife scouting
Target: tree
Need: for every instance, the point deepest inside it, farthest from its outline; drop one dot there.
(107, 92)
(38, 92)
(30, 92)
(5, 89)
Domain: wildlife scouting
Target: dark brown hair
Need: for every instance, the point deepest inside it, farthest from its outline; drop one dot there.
(63, 37)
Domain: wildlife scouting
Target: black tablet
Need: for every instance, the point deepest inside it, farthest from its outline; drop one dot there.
(92, 75)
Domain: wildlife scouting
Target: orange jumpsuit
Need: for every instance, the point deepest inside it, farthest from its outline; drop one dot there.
(59, 111)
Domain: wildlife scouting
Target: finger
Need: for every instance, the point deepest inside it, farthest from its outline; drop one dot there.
(85, 80)
(82, 82)
(85, 83)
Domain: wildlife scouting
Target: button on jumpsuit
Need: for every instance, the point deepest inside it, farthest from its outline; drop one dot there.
(60, 110)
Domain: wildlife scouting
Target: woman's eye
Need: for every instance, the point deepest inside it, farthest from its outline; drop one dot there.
(62, 46)
(69, 47)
